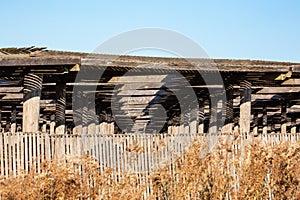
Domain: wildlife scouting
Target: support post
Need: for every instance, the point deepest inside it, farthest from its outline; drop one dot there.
(283, 117)
(213, 107)
(60, 108)
(255, 123)
(85, 114)
(0, 120)
(193, 118)
(13, 126)
(44, 126)
(77, 116)
(52, 124)
(31, 104)
(245, 107)
(91, 127)
(201, 115)
(293, 124)
(228, 126)
(265, 120)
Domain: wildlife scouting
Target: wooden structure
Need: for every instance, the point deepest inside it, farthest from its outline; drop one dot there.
(39, 121)
(36, 91)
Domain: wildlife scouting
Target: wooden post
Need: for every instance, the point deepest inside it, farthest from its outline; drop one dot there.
(60, 108)
(228, 126)
(213, 115)
(265, 120)
(283, 117)
(201, 115)
(255, 123)
(181, 128)
(44, 126)
(77, 116)
(245, 107)
(31, 104)
(52, 124)
(193, 119)
(293, 124)
(0, 120)
(85, 114)
(13, 126)
(91, 114)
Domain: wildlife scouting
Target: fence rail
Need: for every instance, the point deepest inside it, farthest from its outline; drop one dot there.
(22, 152)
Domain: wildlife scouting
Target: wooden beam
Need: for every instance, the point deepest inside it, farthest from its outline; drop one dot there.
(36, 61)
(207, 65)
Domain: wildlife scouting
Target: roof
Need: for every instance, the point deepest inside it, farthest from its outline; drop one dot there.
(33, 56)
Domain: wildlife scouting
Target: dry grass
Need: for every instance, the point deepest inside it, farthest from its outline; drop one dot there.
(257, 171)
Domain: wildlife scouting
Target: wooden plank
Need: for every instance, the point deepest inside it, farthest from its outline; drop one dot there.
(38, 151)
(10, 89)
(2, 151)
(34, 151)
(278, 90)
(26, 152)
(139, 85)
(36, 61)
(42, 148)
(6, 161)
(133, 100)
(292, 81)
(255, 97)
(22, 152)
(141, 92)
(12, 96)
(10, 154)
(193, 64)
(14, 155)
(47, 147)
(137, 79)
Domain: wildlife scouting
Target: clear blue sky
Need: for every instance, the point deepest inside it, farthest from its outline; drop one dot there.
(257, 29)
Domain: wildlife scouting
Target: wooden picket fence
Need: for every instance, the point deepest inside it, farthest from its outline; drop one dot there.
(137, 153)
